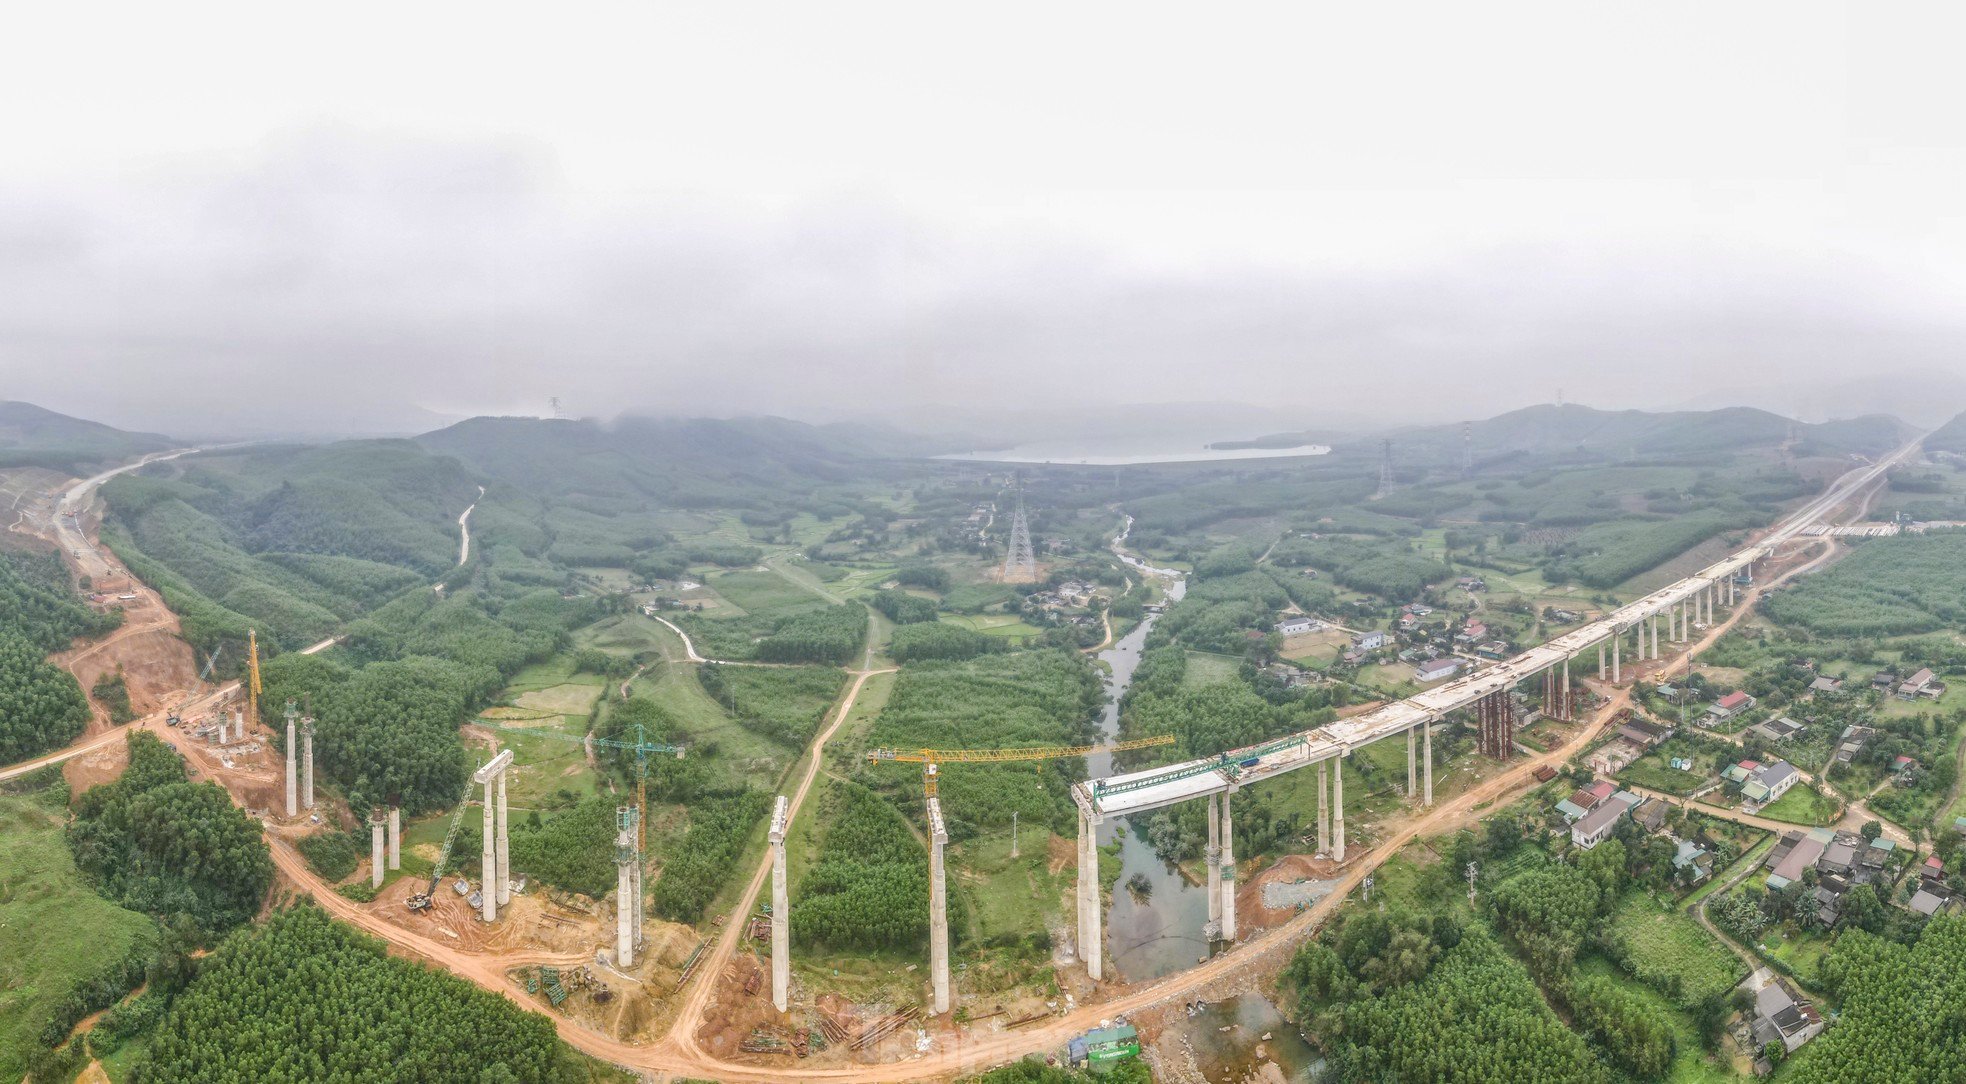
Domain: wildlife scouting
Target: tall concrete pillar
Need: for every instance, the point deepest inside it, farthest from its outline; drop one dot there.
(395, 837)
(504, 847)
(781, 919)
(1323, 808)
(1569, 690)
(307, 762)
(1706, 605)
(293, 781)
(1655, 635)
(375, 850)
(491, 776)
(1337, 808)
(488, 867)
(1090, 938)
(1213, 857)
(1617, 642)
(938, 908)
(1412, 761)
(1229, 868)
(1427, 741)
(626, 902)
(1600, 662)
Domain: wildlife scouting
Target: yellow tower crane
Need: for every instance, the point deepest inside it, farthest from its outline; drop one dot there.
(929, 758)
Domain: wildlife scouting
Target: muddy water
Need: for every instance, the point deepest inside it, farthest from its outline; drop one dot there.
(1157, 932)
(1240, 1052)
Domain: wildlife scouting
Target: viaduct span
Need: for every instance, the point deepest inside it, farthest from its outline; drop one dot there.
(1488, 691)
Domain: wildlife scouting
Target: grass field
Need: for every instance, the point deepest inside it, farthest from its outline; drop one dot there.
(1802, 805)
(554, 699)
(54, 930)
(1800, 951)
(1205, 668)
(757, 592)
(1669, 948)
(1008, 626)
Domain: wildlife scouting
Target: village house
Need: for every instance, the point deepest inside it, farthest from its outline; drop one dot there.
(1297, 626)
(1730, 705)
(1768, 783)
(1492, 649)
(1782, 1016)
(1692, 863)
(1437, 669)
(1651, 814)
(1472, 632)
(1779, 728)
(1795, 854)
(1586, 799)
(1644, 732)
(1471, 583)
(1370, 641)
(1596, 826)
(1852, 742)
(1914, 686)
(1826, 685)
(1928, 902)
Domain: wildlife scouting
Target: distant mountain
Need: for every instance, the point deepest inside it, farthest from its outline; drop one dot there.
(1950, 437)
(684, 461)
(1572, 433)
(37, 437)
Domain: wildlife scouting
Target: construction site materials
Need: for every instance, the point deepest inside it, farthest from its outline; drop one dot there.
(883, 1027)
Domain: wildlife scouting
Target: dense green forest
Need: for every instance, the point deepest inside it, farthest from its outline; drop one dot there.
(1033, 698)
(699, 862)
(305, 999)
(786, 704)
(1411, 1000)
(1900, 1008)
(868, 889)
(938, 640)
(1887, 587)
(41, 706)
(293, 541)
(154, 842)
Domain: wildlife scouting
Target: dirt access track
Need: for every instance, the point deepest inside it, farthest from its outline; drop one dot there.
(157, 665)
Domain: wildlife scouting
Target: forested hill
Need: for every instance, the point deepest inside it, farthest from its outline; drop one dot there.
(1571, 433)
(31, 436)
(1950, 437)
(682, 461)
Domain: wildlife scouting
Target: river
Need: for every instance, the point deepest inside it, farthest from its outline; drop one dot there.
(1159, 931)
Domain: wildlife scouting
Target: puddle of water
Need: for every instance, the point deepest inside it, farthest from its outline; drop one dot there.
(1241, 1052)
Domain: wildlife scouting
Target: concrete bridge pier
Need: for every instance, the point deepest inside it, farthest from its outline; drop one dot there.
(494, 865)
(781, 928)
(1323, 808)
(626, 902)
(1089, 901)
(396, 836)
(938, 905)
(293, 783)
(1616, 643)
(1337, 808)
(1427, 744)
(1213, 859)
(1412, 760)
(375, 849)
(1229, 866)
(307, 761)
(1600, 662)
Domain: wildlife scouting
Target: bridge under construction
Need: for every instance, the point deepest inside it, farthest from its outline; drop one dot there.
(1683, 606)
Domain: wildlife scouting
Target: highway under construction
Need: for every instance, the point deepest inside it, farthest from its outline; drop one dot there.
(1691, 612)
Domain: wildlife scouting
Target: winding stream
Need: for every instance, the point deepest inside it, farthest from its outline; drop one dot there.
(1157, 932)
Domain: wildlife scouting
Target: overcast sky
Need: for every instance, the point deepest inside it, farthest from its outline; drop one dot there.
(328, 217)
